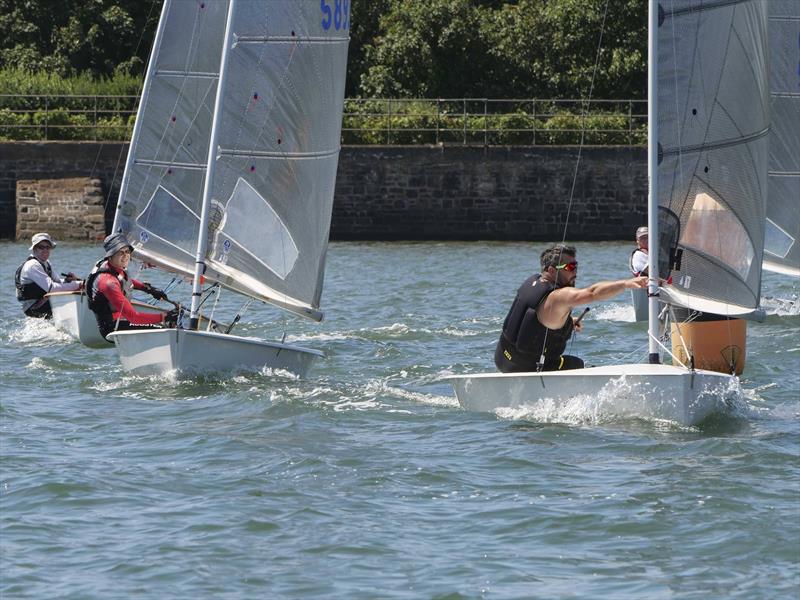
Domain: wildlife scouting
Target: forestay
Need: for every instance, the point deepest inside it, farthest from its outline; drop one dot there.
(713, 125)
(278, 143)
(781, 244)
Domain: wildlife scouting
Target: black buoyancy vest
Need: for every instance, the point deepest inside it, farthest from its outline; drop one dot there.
(30, 290)
(522, 329)
(98, 303)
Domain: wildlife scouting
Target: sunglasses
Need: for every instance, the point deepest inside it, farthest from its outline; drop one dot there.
(570, 266)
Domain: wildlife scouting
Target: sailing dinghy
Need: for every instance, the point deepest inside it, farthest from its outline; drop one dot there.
(72, 315)
(231, 170)
(708, 119)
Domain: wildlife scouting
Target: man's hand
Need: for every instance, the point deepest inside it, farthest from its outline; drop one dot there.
(71, 277)
(636, 282)
(154, 292)
(577, 325)
(171, 318)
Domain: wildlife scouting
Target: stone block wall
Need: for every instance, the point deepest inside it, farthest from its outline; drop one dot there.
(413, 192)
(65, 208)
(495, 193)
(104, 161)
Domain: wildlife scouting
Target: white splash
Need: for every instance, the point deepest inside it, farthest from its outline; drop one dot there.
(613, 312)
(620, 400)
(782, 307)
(39, 332)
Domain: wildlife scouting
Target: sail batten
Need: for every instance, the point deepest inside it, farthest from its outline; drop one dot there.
(186, 74)
(242, 39)
(278, 154)
(169, 164)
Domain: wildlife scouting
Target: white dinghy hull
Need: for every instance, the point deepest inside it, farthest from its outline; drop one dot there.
(652, 392)
(639, 301)
(191, 353)
(72, 315)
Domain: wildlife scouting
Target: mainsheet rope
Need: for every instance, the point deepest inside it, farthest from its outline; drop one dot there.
(578, 161)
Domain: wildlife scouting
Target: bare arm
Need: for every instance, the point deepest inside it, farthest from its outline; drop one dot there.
(557, 306)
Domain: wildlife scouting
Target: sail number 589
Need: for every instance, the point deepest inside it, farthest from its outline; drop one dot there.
(336, 13)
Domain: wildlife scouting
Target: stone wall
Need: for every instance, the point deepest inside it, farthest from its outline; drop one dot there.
(58, 160)
(496, 193)
(414, 193)
(64, 208)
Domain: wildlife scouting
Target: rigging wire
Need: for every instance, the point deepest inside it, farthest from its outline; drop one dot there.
(540, 365)
(583, 118)
(139, 99)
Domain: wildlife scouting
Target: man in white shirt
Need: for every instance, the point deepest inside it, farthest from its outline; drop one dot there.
(639, 257)
(35, 278)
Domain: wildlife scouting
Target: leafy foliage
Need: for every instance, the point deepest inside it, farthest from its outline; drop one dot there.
(69, 37)
(398, 48)
(523, 49)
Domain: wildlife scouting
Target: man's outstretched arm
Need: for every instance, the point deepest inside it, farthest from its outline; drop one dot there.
(559, 303)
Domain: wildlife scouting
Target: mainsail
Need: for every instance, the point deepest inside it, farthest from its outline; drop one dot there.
(273, 168)
(782, 235)
(713, 122)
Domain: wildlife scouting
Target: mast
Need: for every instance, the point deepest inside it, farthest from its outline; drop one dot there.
(202, 238)
(652, 176)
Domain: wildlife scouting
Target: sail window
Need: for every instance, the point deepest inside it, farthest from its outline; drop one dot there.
(254, 227)
(166, 217)
(715, 231)
(777, 240)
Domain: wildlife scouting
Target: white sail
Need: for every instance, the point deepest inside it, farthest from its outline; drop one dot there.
(713, 124)
(782, 234)
(161, 193)
(274, 165)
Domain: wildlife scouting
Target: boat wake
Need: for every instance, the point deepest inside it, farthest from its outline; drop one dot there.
(621, 401)
(38, 332)
(781, 307)
(614, 312)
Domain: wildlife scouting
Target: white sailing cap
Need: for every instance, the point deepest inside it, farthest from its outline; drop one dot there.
(41, 237)
(642, 231)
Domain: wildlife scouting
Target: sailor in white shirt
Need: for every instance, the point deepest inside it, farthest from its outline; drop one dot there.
(639, 257)
(35, 278)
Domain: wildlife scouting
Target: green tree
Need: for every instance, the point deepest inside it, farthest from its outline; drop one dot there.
(527, 48)
(428, 48)
(75, 36)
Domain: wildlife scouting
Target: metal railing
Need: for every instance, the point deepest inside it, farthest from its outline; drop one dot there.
(66, 117)
(378, 121)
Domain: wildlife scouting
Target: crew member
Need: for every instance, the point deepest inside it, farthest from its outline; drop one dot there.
(639, 257)
(109, 289)
(539, 324)
(35, 278)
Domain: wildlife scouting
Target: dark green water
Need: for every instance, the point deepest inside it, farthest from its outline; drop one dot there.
(366, 480)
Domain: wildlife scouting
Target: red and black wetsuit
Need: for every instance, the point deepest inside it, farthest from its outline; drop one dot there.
(524, 339)
(108, 289)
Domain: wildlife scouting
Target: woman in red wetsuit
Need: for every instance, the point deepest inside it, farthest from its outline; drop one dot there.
(109, 288)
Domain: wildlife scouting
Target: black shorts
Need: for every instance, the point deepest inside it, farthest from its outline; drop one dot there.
(509, 362)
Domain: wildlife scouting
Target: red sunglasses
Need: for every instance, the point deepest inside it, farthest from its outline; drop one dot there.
(570, 266)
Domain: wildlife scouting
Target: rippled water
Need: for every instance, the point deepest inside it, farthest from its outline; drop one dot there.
(366, 480)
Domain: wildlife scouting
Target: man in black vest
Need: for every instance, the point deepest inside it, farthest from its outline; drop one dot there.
(539, 324)
(35, 278)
